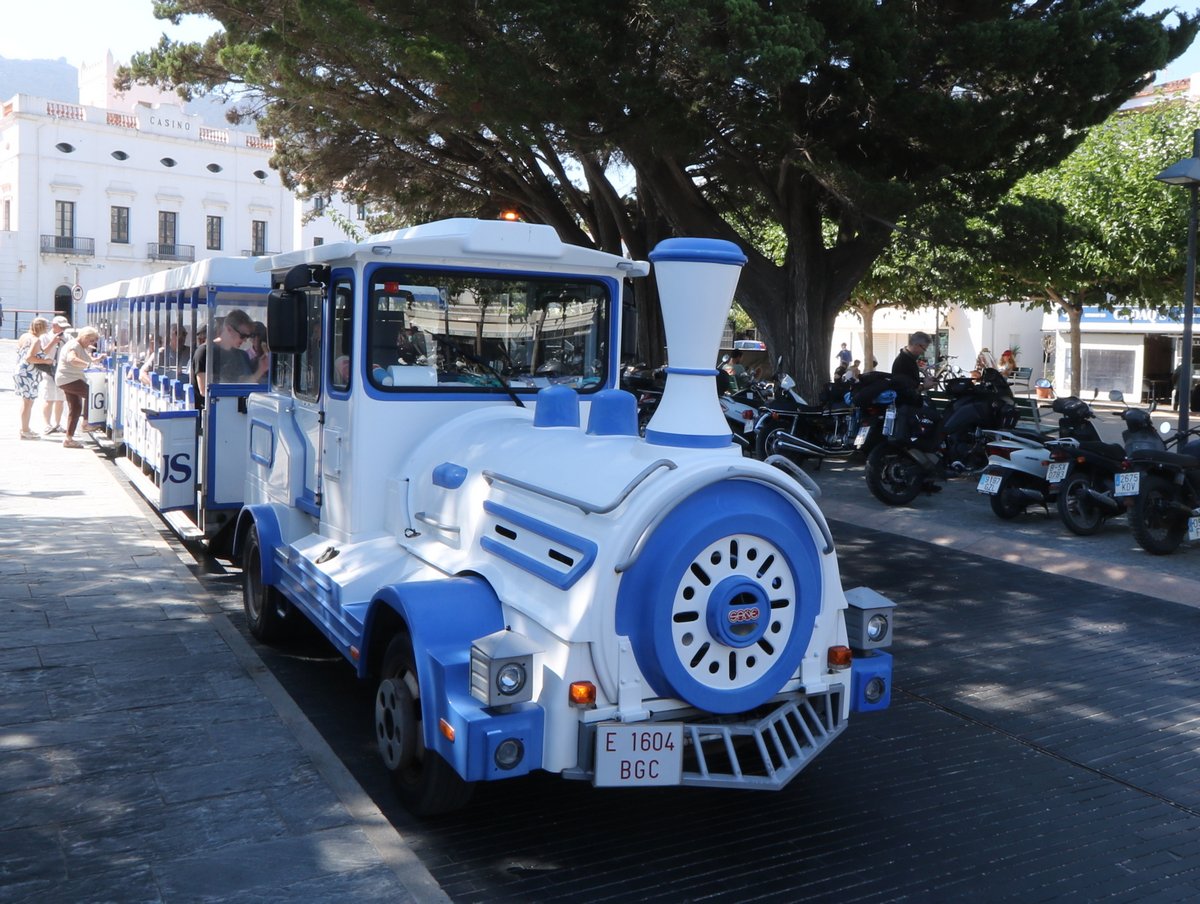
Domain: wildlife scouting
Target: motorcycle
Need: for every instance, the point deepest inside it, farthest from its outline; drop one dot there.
(789, 425)
(1018, 474)
(1097, 480)
(921, 445)
(1167, 506)
(646, 384)
(741, 409)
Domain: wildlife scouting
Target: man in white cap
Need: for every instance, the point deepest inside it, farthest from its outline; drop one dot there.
(52, 342)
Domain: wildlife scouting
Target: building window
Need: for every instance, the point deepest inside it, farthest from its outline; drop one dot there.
(318, 203)
(119, 226)
(167, 220)
(7, 224)
(212, 232)
(64, 219)
(258, 237)
(362, 211)
(317, 240)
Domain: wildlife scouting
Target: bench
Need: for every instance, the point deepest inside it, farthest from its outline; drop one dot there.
(1021, 377)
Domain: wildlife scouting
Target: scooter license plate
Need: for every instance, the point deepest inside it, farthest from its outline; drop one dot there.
(1057, 471)
(634, 755)
(1128, 483)
(1194, 528)
(861, 437)
(990, 484)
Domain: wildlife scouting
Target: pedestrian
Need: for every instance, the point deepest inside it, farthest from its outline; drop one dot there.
(844, 356)
(75, 358)
(906, 364)
(27, 377)
(853, 372)
(735, 369)
(53, 397)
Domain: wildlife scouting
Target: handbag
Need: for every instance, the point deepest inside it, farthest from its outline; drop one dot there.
(46, 367)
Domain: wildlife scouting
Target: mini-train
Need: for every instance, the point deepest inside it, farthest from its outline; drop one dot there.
(438, 472)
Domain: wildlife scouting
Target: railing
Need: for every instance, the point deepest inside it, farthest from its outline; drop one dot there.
(216, 136)
(258, 253)
(68, 244)
(15, 321)
(160, 251)
(123, 120)
(259, 143)
(64, 111)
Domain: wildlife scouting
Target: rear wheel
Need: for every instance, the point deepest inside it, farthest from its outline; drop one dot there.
(1078, 511)
(425, 783)
(1157, 525)
(1009, 501)
(265, 607)
(893, 477)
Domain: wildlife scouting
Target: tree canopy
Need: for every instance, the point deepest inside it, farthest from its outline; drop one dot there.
(726, 112)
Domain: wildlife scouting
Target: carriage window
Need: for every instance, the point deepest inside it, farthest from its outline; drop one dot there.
(343, 313)
(460, 331)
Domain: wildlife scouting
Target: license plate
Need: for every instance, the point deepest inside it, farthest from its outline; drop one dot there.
(1128, 483)
(639, 755)
(861, 436)
(990, 484)
(1194, 528)
(1057, 471)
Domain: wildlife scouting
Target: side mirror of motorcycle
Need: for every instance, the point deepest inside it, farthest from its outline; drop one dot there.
(1165, 428)
(1115, 395)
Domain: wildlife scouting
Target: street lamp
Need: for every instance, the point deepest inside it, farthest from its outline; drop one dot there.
(1187, 172)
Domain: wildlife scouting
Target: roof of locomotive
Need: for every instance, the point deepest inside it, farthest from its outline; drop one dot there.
(239, 272)
(495, 241)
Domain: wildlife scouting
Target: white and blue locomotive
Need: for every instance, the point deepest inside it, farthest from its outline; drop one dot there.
(442, 477)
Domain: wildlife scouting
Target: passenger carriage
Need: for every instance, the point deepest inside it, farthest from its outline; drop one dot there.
(442, 477)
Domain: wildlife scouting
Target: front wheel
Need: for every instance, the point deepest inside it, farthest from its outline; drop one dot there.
(1157, 525)
(766, 442)
(425, 783)
(893, 477)
(265, 607)
(1078, 511)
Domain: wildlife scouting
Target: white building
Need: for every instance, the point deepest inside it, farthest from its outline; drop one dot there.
(121, 185)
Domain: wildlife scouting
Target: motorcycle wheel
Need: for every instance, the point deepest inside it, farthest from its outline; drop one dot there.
(764, 444)
(892, 477)
(1007, 502)
(1157, 528)
(1078, 511)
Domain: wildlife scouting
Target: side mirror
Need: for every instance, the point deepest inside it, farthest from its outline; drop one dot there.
(1115, 395)
(1165, 428)
(287, 322)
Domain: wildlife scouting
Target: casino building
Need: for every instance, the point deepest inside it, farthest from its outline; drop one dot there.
(119, 185)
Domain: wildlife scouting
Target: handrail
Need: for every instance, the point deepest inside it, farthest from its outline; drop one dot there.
(587, 508)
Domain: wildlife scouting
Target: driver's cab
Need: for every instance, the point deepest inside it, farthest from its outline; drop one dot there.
(375, 345)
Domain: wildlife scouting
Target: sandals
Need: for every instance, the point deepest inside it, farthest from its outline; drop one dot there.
(72, 444)
(29, 434)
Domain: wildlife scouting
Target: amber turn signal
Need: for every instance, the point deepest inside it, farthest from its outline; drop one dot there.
(583, 693)
(839, 658)
(447, 730)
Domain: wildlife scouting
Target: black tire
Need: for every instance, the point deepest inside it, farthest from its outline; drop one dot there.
(1157, 527)
(893, 477)
(266, 608)
(425, 783)
(764, 442)
(1007, 502)
(1078, 511)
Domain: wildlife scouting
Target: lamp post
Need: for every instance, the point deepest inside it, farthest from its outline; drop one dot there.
(1187, 172)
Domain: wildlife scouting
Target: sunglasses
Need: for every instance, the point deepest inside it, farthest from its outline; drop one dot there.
(244, 335)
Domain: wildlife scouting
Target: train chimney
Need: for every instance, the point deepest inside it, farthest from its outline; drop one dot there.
(696, 279)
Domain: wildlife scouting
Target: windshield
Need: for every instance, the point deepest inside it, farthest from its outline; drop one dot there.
(457, 330)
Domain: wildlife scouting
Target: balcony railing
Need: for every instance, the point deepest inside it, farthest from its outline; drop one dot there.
(160, 251)
(68, 244)
(259, 253)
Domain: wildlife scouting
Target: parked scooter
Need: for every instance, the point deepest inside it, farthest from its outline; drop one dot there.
(646, 384)
(1097, 481)
(1018, 472)
(921, 446)
(1167, 507)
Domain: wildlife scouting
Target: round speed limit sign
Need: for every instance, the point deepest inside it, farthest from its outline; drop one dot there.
(77, 292)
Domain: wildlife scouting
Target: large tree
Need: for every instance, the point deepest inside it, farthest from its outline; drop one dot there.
(1097, 229)
(850, 112)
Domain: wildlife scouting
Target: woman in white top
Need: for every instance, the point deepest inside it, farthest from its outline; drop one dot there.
(26, 377)
(76, 357)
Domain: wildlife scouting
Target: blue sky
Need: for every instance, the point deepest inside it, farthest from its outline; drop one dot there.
(82, 30)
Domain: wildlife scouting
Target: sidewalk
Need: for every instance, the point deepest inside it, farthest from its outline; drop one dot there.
(145, 752)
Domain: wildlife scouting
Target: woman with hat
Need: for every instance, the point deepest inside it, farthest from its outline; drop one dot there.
(52, 396)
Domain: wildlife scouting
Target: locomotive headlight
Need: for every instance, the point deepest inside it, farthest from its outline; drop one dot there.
(510, 678)
(501, 668)
(870, 619)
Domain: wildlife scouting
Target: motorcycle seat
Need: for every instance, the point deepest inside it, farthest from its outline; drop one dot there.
(1159, 457)
(1111, 451)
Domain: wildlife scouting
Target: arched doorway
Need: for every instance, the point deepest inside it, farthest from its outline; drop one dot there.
(62, 301)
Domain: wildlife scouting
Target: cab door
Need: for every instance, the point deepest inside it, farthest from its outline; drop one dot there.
(308, 413)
